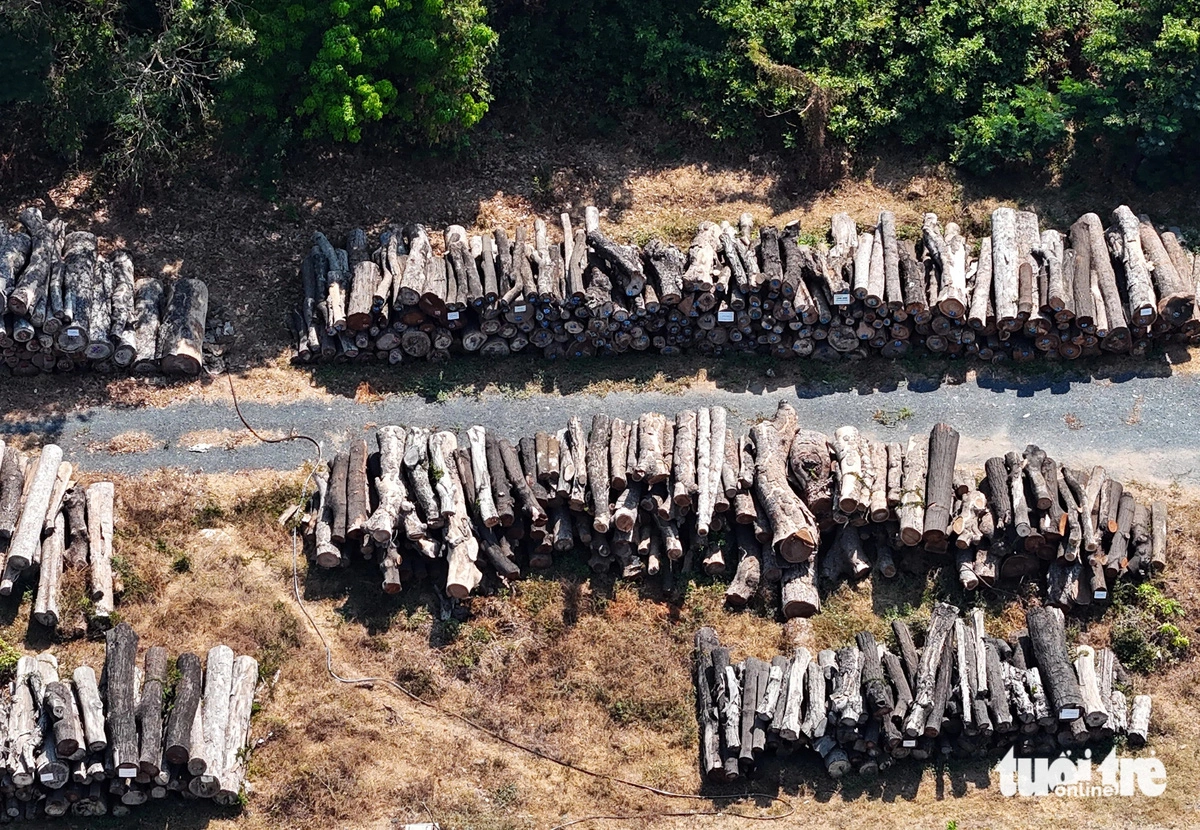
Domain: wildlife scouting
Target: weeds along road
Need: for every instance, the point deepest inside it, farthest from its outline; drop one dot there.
(1141, 428)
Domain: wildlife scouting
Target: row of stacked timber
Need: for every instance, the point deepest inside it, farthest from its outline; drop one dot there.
(1020, 292)
(50, 526)
(64, 306)
(779, 507)
(965, 694)
(95, 746)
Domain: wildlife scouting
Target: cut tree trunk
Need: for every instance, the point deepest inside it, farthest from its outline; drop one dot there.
(120, 666)
(100, 546)
(939, 496)
(182, 330)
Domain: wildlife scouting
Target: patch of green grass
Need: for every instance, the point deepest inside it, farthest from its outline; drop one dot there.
(208, 515)
(1145, 635)
(893, 418)
(137, 589)
(8, 659)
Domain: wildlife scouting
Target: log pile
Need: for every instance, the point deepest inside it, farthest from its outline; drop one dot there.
(785, 507)
(65, 307)
(96, 743)
(1023, 291)
(49, 526)
(863, 707)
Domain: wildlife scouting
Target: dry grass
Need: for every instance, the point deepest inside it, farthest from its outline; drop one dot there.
(588, 669)
(125, 443)
(225, 439)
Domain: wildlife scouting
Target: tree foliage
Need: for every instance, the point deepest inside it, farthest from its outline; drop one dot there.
(329, 69)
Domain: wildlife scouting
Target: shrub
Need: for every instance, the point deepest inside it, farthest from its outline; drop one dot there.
(328, 71)
(136, 77)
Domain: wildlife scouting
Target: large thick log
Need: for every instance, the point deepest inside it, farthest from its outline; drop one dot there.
(1005, 266)
(483, 478)
(12, 486)
(23, 736)
(1048, 636)
(1176, 292)
(710, 743)
(214, 720)
(182, 331)
(358, 498)
(1143, 307)
(952, 302)
(120, 699)
(847, 445)
(177, 745)
(45, 606)
(798, 593)
(365, 276)
(1139, 721)
(14, 252)
(939, 495)
(1105, 279)
(237, 734)
(795, 534)
(150, 711)
(30, 287)
(100, 548)
(91, 709)
(26, 542)
(628, 267)
(911, 511)
(147, 314)
(810, 462)
(941, 627)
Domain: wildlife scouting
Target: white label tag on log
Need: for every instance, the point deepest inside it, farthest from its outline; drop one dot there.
(909, 742)
(1100, 595)
(518, 308)
(841, 298)
(126, 773)
(1146, 312)
(47, 777)
(724, 316)
(452, 315)
(1068, 714)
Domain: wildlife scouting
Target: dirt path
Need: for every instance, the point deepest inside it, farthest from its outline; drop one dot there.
(1141, 427)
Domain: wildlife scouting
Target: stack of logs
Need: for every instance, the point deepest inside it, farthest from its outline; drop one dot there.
(1021, 292)
(98, 748)
(658, 495)
(862, 707)
(49, 524)
(65, 307)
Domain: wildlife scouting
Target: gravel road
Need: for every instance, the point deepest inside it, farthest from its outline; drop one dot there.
(1143, 428)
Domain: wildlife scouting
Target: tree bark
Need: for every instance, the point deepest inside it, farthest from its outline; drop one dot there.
(177, 746)
(911, 512)
(26, 542)
(120, 664)
(939, 497)
(182, 330)
(100, 540)
(1048, 637)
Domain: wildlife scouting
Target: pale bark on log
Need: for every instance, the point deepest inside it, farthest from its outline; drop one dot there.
(26, 542)
(45, 607)
(981, 295)
(147, 313)
(358, 498)
(684, 459)
(1005, 265)
(100, 545)
(798, 593)
(598, 457)
(911, 512)
(91, 709)
(847, 444)
(483, 479)
(1139, 721)
(1143, 307)
(795, 534)
(237, 734)
(953, 300)
(1158, 530)
(214, 720)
